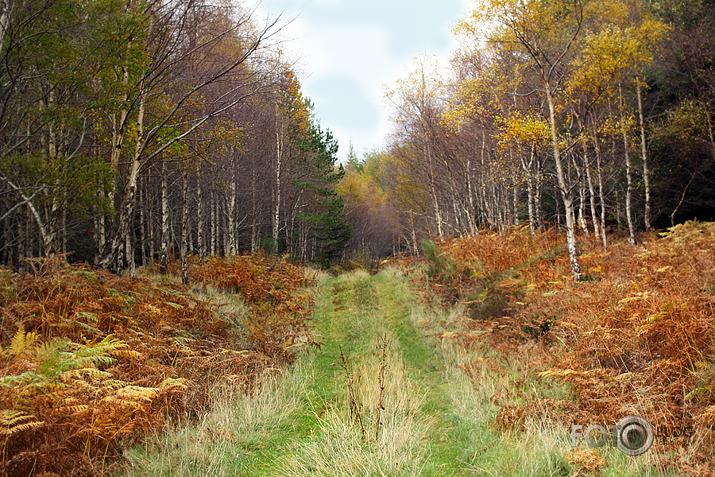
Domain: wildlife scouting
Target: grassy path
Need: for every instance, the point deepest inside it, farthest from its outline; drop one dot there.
(380, 409)
(383, 395)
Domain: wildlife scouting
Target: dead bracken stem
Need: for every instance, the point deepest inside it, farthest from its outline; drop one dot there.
(344, 362)
(382, 347)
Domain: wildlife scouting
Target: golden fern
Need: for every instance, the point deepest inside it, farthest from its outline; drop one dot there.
(172, 383)
(21, 342)
(13, 421)
(139, 396)
(56, 363)
(135, 397)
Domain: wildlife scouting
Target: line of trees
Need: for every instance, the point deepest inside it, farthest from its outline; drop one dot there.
(134, 129)
(592, 115)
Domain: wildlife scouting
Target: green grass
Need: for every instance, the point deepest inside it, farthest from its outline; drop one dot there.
(332, 416)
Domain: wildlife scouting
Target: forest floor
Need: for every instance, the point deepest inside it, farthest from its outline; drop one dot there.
(389, 391)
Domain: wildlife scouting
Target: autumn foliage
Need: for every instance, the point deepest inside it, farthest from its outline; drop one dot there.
(90, 361)
(634, 337)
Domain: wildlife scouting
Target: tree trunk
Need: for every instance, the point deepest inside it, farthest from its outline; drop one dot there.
(582, 209)
(530, 202)
(129, 252)
(629, 178)
(142, 221)
(126, 208)
(566, 194)
(538, 193)
(581, 197)
(151, 230)
(527, 167)
(515, 201)
(185, 230)
(277, 195)
(6, 7)
(471, 216)
(254, 208)
(601, 194)
(212, 239)
(232, 218)
(591, 194)
(200, 216)
(101, 232)
(433, 193)
(164, 258)
(226, 238)
(21, 234)
(644, 157)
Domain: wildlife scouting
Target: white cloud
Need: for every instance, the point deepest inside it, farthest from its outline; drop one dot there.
(359, 51)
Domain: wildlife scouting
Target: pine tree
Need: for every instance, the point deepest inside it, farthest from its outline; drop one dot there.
(328, 218)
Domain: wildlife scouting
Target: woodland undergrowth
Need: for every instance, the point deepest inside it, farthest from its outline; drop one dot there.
(635, 336)
(91, 362)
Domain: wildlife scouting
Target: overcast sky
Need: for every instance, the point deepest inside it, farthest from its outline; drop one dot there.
(347, 50)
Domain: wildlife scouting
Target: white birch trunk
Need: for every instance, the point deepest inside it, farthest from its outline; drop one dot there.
(565, 192)
(629, 178)
(591, 192)
(164, 257)
(601, 193)
(142, 221)
(644, 157)
(277, 195)
(185, 229)
(232, 220)
(212, 240)
(200, 216)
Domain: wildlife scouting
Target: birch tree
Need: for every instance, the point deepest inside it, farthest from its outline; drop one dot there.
(546, 33)
(161, 75)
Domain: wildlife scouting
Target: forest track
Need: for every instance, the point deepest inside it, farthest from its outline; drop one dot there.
(384, 394)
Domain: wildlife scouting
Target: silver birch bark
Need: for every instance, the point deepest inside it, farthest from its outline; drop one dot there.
(254, 208)
(185, 229)
(566, 193)
(129, 253)
(231, 222)
(629, 178)
(601, 194)
(164, 257)
(212, 239)
(644, 157)
(200, 216)
(277, 194)
(142, 221)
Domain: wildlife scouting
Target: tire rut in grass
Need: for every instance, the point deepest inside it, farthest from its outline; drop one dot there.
(371, 400)
(386, 393)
